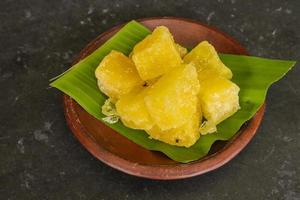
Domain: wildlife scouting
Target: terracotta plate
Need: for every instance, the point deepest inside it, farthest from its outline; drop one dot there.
(124, 155)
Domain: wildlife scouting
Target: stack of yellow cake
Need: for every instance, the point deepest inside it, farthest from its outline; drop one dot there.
(173, 95)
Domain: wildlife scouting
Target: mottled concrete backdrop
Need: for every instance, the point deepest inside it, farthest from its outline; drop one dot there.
(39, 157)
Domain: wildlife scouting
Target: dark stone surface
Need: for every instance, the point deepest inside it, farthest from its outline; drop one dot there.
(39, 157)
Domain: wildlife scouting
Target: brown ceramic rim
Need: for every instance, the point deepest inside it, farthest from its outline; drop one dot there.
(160, 172)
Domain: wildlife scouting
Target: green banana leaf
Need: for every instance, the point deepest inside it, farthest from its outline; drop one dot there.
(252, 74)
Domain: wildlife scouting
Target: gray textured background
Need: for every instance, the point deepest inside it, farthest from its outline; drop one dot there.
(39, 157)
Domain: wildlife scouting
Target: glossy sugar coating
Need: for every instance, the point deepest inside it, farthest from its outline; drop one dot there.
(156, 54)
(117, 75)
(174, 97)
(186, 135)
(219, 100)
(207, 61)
(132, 110)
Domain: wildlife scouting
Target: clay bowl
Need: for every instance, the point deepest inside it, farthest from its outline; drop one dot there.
(120, 153)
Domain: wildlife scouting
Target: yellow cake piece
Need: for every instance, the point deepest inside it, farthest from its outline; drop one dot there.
(156, 54)
(117, 75)
(219, 100)
(207, 61)
(174, 97)
(186, 135)
(132, 110)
